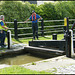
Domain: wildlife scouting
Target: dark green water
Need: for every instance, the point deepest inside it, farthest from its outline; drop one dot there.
(20, 59)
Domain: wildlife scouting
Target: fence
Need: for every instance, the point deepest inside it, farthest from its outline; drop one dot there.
(44, 29)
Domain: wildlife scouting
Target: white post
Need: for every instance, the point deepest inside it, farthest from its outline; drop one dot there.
(9, 38)
(72, 50)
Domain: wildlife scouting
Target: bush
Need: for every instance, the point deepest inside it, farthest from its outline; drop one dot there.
(16, 10)
(48, 11)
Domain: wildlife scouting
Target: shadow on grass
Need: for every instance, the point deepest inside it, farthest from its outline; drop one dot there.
(3, 48)
(19, 41)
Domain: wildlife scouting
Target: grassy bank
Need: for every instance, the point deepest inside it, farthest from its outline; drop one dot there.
(25, 41)
(20, 70)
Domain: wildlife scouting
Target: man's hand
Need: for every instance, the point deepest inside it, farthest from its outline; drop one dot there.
(39, 18)
(6, 27)
(25, 21)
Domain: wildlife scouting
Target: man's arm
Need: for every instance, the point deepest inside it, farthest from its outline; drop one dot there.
(5, 27)
(26, 20)
(2, 24)
(40, 18)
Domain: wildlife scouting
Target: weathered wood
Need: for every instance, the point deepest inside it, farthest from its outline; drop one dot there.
(45, 52)
(60, 44)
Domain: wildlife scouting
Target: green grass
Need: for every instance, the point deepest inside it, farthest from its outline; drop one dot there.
(60, 36)
(26, 41)
(33, 63)
(20, 70)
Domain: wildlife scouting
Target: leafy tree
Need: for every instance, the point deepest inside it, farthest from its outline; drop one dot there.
(16, 10)
(48, 11)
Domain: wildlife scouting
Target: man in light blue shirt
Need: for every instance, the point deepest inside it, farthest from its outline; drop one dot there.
(35, 18)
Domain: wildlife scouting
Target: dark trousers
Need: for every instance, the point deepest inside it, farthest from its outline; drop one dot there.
(35, 30)
(2, 37)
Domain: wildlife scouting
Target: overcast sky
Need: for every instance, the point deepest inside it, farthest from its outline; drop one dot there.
(42, 2)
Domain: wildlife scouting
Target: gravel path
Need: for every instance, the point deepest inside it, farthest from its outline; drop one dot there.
(57, 65)
(67, 70)
(4, 65)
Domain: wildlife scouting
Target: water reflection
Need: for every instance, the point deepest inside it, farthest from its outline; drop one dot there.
(20, 59)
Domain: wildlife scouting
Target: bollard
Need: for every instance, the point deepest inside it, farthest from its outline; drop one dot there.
(15, 29)
(9, 39)
(69, 44)
(72, 50)
(69, 40)
(54, 36)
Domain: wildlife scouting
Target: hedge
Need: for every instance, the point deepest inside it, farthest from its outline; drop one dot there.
(48, 11)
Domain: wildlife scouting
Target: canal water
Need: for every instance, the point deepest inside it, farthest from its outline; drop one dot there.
(20, 59)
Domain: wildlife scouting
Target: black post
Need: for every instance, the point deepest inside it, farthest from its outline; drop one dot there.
(67, 25)
(15, 29)
(68, 40)
(8, 36)
(54, 36)
(42, 27)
